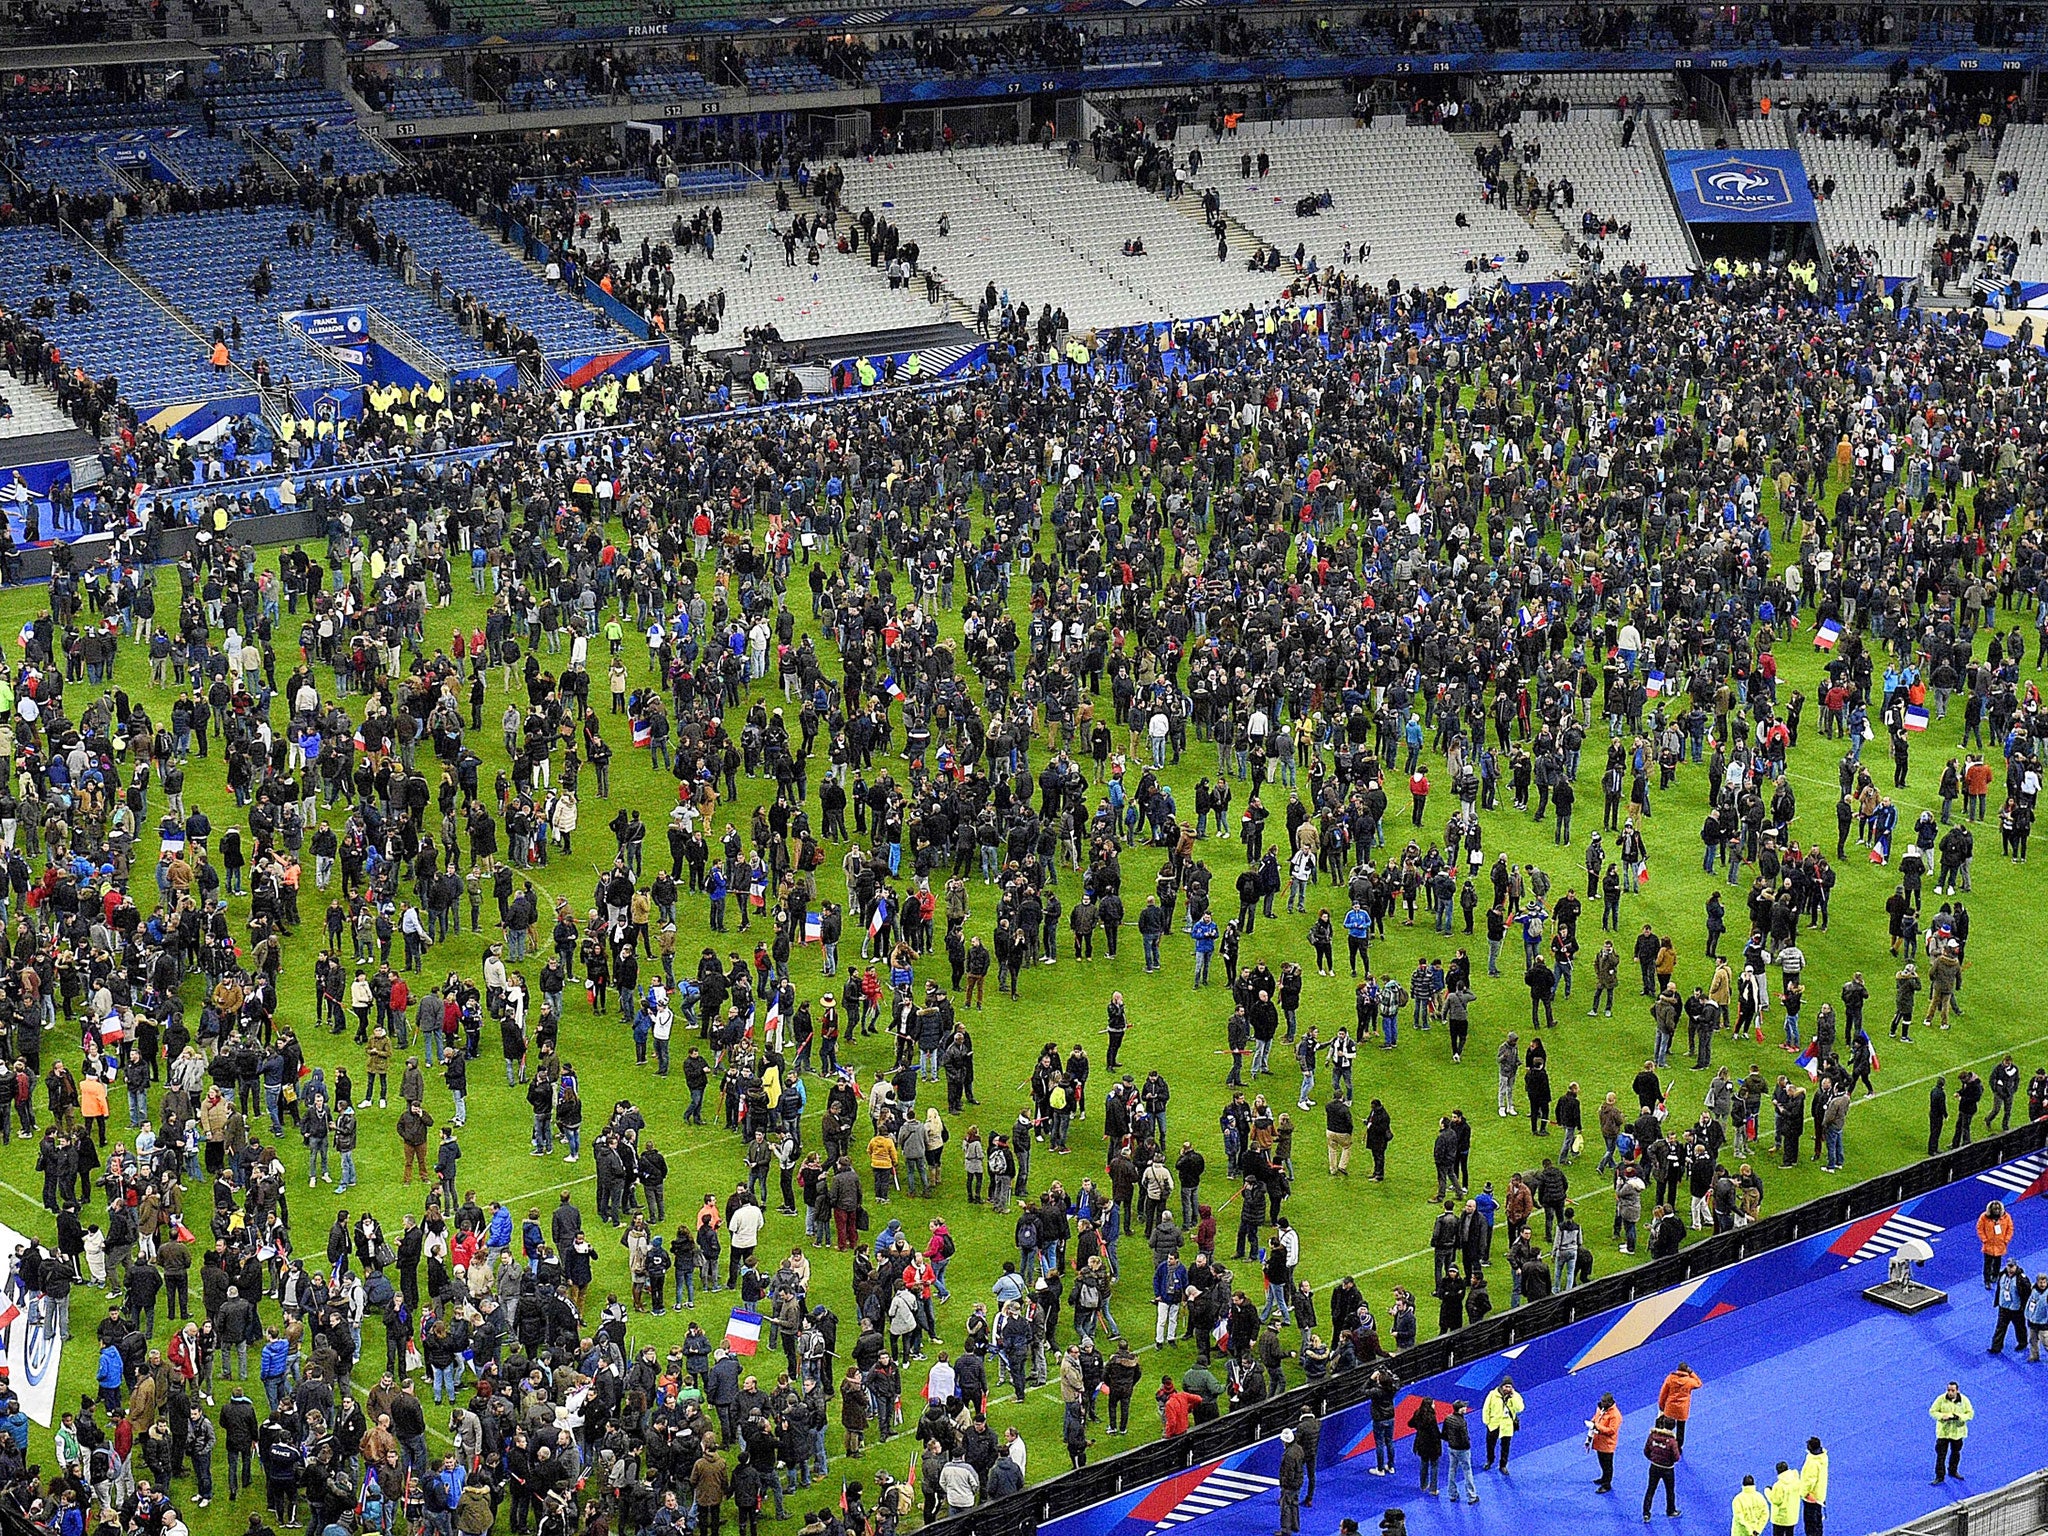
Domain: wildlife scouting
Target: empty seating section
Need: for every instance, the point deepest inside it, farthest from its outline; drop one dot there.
(1612, 182)
(992, 241)
(1744, 133)
(1123, 52)
(601, 13)
(1840, 86)
(618, 184)
(1652, 91)
(1372, 175)
(1945, 34)
(1178, 273)
(1361, 38)
(841, 296)
(204, 160)
(548, 93)
(271, 101)
(494, 15)
(897, 66)
(787, 77)
(414, 100)
(202, 263)
(86, 112)
(2024, 152)
(330, 149)
(470, 261)
(69, 163)
(670, 82)
(1291, 44)
(33, 409)
(1867, 182)
(157, 360)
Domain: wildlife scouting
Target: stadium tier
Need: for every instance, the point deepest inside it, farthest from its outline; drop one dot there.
(1878, 202)
(472, 262)
(2021, 216)
(1178, 273)
(203, 263)
(1530, 176)
(120, 332)
(839, 296)
(1614, 183)
(996, 241)
(1370, 175)
(78, 166)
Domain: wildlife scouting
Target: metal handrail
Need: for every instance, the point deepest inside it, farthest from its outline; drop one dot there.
(2017, 1509)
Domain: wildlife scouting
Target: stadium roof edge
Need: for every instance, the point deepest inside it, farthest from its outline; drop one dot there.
(173, 50)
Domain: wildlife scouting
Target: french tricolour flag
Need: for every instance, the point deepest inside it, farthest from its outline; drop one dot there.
(173, 842)
(1654, 684)
(814, 928)
(879, 917)
(1915, 718)
(1825, 638)
(894, 689)
(743, 1333)
(1533, 619)
(643, 733)
(1810, 1059)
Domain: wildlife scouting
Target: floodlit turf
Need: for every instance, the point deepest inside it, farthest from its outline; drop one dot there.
(1377, 1232)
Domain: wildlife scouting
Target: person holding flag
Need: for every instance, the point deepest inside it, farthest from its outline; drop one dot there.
(878, 924)
(743, 1333)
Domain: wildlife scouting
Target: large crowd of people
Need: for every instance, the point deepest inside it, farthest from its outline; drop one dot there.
(1042, 592)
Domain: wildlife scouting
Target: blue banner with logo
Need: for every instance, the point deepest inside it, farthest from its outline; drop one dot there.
(1747, 186)
(347, 327)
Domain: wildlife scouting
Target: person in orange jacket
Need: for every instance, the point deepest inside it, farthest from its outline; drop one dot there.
(1603, 1434)
(1674, 1398)
(1994, 1235)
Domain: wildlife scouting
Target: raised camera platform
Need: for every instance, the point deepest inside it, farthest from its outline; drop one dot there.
(1907, 1296)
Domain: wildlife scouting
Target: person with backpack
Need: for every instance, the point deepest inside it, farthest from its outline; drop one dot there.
(1661, 1450)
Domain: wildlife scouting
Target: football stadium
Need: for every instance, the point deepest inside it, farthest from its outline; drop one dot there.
(939, 482)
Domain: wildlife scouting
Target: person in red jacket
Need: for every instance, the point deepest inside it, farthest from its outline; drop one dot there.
(1177, 1406)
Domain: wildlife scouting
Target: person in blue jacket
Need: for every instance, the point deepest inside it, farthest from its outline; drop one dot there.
(111, 1373)
(500, 1238)
(1358, 933)
(1169, 1289)
(2037, 1317)
(1205, 934)
(274, 1366)
(14, 1423)
(715, 887)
